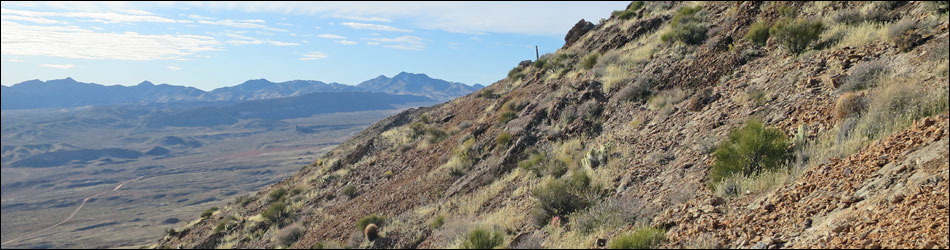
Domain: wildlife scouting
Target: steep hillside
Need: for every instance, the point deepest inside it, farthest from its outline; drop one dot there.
(673, 125)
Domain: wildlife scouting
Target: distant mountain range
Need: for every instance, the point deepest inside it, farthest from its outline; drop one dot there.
(66, 93)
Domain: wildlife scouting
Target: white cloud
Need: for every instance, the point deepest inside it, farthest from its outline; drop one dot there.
(347, 42)
(197, 17)
(313, 56)
(14, 60)
(103, 17)
(370, 26)
(278, 43)
(372, 43)
(463, 17)
(75, 42)
(39, 20)
(58, 66)
(331, 36)
(403, 42)
(367, 19)
(240, 24)
(170, 67)
(137, 12)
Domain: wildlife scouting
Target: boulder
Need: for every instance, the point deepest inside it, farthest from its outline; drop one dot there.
(579, 29)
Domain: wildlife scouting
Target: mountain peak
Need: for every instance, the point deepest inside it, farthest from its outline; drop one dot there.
(145, 83)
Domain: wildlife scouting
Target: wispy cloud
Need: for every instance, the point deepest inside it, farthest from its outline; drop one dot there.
(75, 42)
(370, 26)
(331, 36)
(238, 39)
(403, 42)
(347, 42)
(197, 17)
(244, 24)
(170, 67)
(278, 43)
(39, 20)
(58, 66)
(313, 56)
(103, 17)
(367, 19)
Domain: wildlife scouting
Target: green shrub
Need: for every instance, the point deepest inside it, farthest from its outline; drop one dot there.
(506, 116)
(540, 63)
(277, 194)
(209, 212)
(539, 164)
(243, 200)
(850, 17)
(797, 35)
(758, 33)
(642, 238)
(686, 15)
(749, 151)
(562, 196)
(589, 61)
(275, 213)
(483, 239)
(689, 33)
(437, 222)
(376, 219)
(865, 75)
(503, 139)
(515, 74)
(639, 89)
(327, 245)
(350, 191)
(225, 224)
(289, 235)
(631, 11)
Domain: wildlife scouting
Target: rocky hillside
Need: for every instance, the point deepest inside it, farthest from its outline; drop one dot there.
(668, 125)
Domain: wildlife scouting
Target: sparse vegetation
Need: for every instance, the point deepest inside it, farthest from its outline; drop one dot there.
(642, 238)
(904, 34)
(483, 239)
(277, 194)
(563, 196)
(275, 213)
(749, 151)
(589, 61)
(437, 222)
(375, 219)
(687, 28)
(289, 235)
(639, 90)
(350, 191)
(461, 158)
(797, 35)
(758, 33)
(850, 105)
(209, 212)
(865, 75)
(503, 140)
(630, 12)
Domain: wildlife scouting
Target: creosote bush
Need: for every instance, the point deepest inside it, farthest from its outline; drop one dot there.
(375, 219)
(563, 196)
(277, 194)
(589, 61)
(749, 151)
(481, 238)
(642, 238)
(275, 213)
(350, 191)
(289, 235)
(686, 28)
(630, 12)
(758, 33)
(209, 212)
(797, 35)
(503, 140)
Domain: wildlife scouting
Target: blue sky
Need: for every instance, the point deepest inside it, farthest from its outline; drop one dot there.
(215, 44)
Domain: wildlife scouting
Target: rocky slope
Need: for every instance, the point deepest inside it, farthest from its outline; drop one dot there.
(637, 105)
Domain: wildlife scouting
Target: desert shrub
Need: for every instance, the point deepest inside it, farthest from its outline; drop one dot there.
(607, 214)
(225, 224)
(797, 35)
(642, 238)
(461, 158)
(327, 245)
(275, 213)
(939, 7)
(350, 191)
(540, 63)
(666, 99)
(209, 212)
(787, 11)
(590, 109)
(889, 5)
(437, 222)
(375, 219)
(848, 17)
(750, 150)
(481, 238)
(850, 105)
(562, 196)
(540, 165)
(506, 116)
(431, 133)
(515, 73)
(243, 200)
(631, 11)
(589, 61)
(502, 140)
(904, 34)
(277, 194)
(865, 75)
(289, 235)
(758, 33)
(490, 93)
(639, 89)
(686, 27)
(613, 75)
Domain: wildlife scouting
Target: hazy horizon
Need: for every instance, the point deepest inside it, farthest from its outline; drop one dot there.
(213, 45)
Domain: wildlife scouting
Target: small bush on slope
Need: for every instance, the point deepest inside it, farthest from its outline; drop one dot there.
(643, 238)
(483, 239)
(749, 151)
(797, 35)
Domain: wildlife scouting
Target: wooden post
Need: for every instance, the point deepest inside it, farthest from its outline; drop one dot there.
(536, 55)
